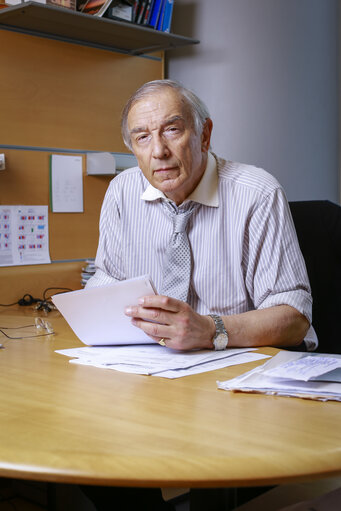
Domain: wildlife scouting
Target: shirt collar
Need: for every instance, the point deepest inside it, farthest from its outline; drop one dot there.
(205, 193)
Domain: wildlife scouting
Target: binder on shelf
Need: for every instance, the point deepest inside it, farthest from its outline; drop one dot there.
(135, 12)
(161, 15)
(147, 12)
(155, 13)
(140, 12)
(167, 18)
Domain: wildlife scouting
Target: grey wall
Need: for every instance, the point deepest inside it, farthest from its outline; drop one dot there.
(268, 72)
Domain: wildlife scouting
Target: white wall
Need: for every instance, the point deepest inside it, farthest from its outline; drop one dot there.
(268, 72)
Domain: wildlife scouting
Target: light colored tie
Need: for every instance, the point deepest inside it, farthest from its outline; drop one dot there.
(178, 258)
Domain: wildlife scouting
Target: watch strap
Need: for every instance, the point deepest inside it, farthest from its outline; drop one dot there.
(220, 339)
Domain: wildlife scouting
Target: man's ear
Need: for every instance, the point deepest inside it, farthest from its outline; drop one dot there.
(206, 135)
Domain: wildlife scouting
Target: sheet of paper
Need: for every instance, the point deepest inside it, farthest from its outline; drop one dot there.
(305, 368)
(96, 315)
(24, 235)
(152, 357)
(242, 358)
(66, 182)
(259, 380)
(158, 360)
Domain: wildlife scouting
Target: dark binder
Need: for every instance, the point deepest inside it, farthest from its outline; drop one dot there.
(141, 11)
(136, 9)
(147, 12)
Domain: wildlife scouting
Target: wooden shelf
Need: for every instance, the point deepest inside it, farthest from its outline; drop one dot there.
(60, 23)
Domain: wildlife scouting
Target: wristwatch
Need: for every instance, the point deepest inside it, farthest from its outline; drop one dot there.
(221, 339)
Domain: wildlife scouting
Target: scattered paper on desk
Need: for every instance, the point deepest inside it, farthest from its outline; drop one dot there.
(66, 184)
(24, 235)
(306, 368)
(292, 374)
(158, 360)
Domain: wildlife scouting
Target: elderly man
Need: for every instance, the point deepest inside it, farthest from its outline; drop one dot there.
(216, 236)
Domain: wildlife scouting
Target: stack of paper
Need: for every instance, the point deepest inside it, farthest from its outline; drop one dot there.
(88, 271)
(294, 374)
(157, 360)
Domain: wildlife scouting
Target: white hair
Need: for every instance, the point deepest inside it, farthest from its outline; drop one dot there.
(197, 108)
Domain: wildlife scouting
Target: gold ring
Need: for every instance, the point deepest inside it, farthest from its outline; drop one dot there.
(162, 342)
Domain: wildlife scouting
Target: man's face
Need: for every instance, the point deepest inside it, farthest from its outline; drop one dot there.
(169, 152)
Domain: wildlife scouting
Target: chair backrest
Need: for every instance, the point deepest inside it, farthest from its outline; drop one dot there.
(318, 227)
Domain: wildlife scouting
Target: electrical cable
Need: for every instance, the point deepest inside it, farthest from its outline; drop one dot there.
(62, 290)
(43, 303)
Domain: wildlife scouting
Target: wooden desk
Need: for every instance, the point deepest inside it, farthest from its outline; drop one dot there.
(69, 423)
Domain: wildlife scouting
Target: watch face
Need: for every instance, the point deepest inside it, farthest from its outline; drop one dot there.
(220, 342)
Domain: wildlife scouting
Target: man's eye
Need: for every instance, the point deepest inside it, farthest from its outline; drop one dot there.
(172, 129)
(141, 138)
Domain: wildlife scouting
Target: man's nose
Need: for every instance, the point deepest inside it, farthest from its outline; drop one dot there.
(160, 148)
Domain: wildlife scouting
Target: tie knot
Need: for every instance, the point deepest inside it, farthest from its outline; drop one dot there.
(181, 215)
(180, 221)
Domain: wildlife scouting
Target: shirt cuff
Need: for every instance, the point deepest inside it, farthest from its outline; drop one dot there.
(301, 301)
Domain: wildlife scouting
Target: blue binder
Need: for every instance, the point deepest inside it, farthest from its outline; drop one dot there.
(154, 18)
(161, 15)
(167, 18)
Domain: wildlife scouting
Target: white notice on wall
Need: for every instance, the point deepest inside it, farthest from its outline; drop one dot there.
(24, 235)
(66, 182)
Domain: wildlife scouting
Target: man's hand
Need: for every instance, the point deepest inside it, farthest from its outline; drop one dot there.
(162, 317)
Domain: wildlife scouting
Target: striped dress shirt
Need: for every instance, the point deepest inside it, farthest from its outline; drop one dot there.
(245, 252)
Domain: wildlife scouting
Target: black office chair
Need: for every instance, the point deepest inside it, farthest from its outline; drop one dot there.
(318, 227)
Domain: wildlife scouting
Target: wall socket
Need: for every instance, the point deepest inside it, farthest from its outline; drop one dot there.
(2, 162)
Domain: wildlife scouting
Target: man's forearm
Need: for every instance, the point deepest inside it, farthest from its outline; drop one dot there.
(281, 325)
